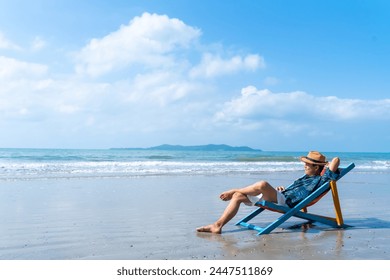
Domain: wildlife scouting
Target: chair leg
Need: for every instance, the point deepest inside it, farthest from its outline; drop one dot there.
(278, 221)
(336, 202)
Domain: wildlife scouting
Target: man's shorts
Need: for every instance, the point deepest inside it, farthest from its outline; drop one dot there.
(253, 199)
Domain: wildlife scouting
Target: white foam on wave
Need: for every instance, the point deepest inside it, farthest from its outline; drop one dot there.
(60, 169)
(139, 168)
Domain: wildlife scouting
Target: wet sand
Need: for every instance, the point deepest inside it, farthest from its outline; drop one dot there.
(154, 218)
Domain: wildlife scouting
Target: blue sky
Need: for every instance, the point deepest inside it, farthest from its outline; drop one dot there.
(275, 75)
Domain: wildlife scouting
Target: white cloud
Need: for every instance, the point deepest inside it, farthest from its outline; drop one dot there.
(13, 68)
(213, 65)
(159, 88)
(151, 59)
(147, 40)
(254, 104)
(7, 44)
(38, 44)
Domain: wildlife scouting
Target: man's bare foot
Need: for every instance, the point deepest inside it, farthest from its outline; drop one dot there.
(227, 195)
(210, 228)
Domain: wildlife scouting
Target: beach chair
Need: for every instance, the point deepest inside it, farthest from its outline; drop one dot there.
(300, 210)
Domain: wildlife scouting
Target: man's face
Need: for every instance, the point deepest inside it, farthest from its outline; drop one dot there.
(311, 169)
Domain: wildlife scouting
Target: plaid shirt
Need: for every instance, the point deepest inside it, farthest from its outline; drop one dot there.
(305, 185)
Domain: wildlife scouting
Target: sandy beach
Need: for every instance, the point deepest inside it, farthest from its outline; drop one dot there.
(154, 218)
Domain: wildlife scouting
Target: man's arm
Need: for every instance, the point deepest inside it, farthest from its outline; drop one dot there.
(334, 164)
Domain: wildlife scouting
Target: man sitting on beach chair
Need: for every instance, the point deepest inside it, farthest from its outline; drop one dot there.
(300, 189)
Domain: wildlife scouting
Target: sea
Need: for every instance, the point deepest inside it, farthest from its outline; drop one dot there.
(31, 164)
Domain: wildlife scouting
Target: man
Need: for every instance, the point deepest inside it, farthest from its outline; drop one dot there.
(301, 188)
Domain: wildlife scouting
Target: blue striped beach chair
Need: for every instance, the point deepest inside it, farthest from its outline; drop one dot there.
(300, 210)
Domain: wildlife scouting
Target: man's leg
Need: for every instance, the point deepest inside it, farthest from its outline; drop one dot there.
(261, 187)
(230, 211)
(236, 197)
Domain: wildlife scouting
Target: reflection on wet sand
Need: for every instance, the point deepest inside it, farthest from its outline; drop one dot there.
(310, 242)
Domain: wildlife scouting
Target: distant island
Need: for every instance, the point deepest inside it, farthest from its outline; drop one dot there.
(209, 147)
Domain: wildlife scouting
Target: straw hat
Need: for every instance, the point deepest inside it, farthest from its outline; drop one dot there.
(314, 157)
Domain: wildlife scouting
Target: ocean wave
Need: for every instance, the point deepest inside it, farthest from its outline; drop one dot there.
(375, 165)
(27, 164)
(267, 159)
(28, 170)
(139, 168)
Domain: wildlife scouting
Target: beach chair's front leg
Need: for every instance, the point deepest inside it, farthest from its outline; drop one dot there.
(278, 222)
(250, 216)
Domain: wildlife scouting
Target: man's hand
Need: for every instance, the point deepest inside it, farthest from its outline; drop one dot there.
(280, 188)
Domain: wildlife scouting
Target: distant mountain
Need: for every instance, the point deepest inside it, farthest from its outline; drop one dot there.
(210, 147)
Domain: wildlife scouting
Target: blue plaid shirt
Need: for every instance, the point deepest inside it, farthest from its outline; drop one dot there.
(305, 185)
